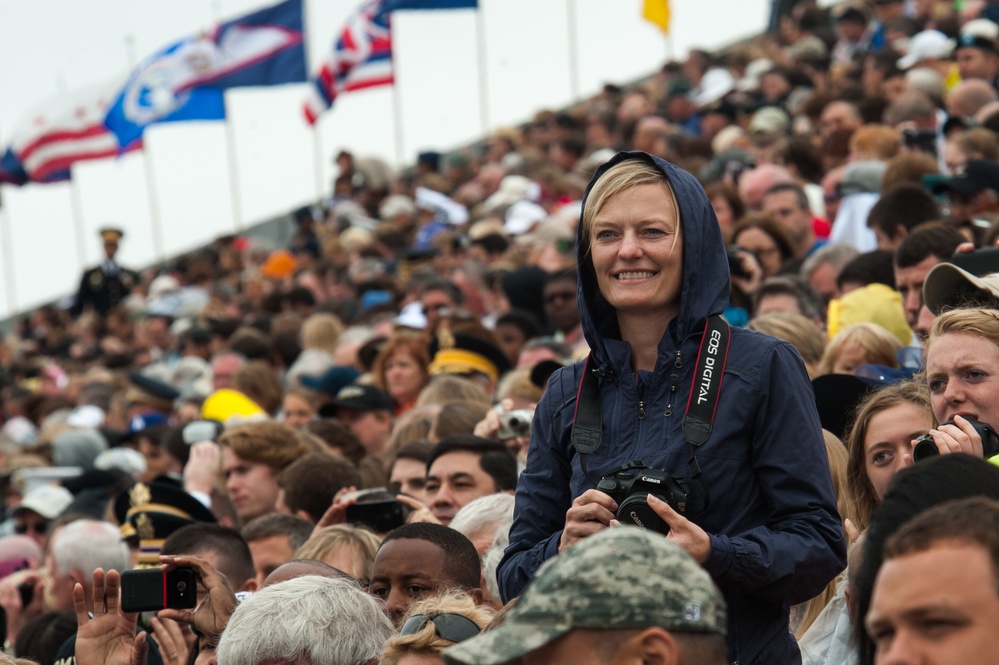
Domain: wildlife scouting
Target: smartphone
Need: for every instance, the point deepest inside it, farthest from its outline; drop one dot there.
(201, 430)
(151, 589)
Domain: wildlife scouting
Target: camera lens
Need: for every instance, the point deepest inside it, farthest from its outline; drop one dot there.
(181, 587)
(925, 448)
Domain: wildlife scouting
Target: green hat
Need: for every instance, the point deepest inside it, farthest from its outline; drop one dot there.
(622, 578)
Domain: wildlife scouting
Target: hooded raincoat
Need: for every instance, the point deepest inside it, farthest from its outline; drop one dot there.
(776, 536)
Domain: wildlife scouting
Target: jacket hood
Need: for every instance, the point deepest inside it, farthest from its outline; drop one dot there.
(705, 285)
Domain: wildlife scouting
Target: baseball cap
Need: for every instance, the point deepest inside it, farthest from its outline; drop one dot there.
(47, 500)
(621, 578)
(926, 44)
(946, 286)
(332, 380)
(769, 120)
(978, 175)
(363, 398)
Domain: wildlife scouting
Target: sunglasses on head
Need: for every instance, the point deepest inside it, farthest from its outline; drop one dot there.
(450, 627)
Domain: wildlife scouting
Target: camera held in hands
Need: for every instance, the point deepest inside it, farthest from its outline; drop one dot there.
(926, 448)
(631, 484)
(515, 423)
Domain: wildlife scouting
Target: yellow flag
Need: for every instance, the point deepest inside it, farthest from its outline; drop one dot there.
(657, 11)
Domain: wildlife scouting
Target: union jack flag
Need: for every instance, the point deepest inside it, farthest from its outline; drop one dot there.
(362, 54)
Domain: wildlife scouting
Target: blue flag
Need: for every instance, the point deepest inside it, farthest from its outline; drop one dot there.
(186, 80)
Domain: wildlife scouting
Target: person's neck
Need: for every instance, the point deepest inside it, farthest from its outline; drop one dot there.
(643, 332)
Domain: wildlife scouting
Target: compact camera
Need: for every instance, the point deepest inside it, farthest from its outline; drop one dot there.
(514, 424)
(926, 448)
(377, 509)
(631, 484)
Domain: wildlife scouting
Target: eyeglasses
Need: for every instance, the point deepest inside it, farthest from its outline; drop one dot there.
(451, 627)
(21, 528)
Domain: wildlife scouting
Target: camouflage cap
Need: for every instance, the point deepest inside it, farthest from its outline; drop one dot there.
(621, 578)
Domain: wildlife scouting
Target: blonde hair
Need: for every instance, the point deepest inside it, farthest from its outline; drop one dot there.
(322, 331)
(800, 331)
(879, 345)
(624, 175)
(330, 540)
(426, 641)
(838, 458)
(982, 323)
(446, 388)
(862, 499)
(516, 384)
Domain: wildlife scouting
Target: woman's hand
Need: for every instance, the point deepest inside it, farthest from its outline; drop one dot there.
(753, 271)
(109, 637)
(10, 600)
(337, 512)
(693, 539)
(592, 511)
(488, 427)
(212, 614)
(960, 437)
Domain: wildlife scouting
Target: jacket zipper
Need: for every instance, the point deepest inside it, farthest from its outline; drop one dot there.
(672, 385)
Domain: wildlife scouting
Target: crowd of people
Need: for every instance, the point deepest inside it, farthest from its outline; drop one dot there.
(747, 305)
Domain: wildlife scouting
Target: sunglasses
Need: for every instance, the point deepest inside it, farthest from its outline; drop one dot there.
(451, 627)
(39, 528)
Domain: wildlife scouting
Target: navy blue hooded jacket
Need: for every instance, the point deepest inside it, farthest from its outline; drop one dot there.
(776, 536)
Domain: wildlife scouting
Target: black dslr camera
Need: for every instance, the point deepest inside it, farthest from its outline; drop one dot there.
(632, 483)
(926, 448)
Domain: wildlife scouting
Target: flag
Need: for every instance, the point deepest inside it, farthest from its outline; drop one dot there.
(187, 80)
(11, 169)
(362, 54)
(58, 132)
(657, 11)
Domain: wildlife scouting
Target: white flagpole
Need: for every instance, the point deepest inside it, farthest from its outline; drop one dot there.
(480, 32)
(570, 19)
(400, 147)
(317, 159)
(155, 222)
(76, 205)
(233, 158)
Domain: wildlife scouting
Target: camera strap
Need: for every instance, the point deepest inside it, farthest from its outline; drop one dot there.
(702, 403)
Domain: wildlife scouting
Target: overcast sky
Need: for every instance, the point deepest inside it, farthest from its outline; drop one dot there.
(458, 75)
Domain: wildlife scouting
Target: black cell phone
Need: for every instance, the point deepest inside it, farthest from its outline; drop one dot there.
(151, 590)
(980, 262)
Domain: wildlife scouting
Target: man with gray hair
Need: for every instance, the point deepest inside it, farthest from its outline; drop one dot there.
(822, 268)
(306, 620)
(621, 595)
(79, 549)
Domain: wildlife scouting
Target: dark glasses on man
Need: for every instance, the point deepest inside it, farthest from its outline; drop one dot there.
(451, 627)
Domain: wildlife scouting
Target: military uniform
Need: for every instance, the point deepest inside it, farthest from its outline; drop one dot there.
(103, 287)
